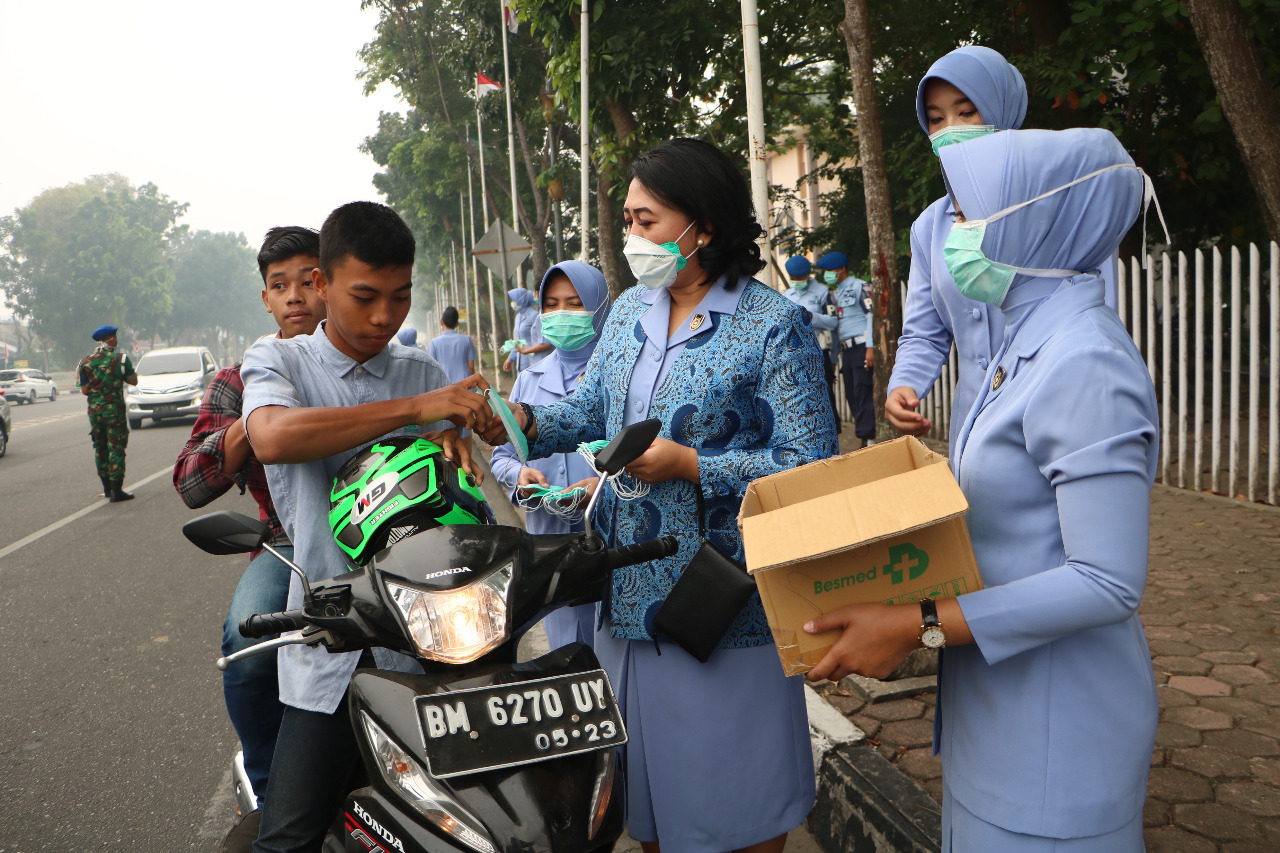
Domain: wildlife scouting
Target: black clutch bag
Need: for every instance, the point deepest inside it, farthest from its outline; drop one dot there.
(706, 598)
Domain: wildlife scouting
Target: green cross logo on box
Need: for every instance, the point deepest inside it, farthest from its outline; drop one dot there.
(903, 558)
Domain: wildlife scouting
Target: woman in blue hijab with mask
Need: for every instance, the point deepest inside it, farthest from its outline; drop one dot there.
(969, 93)
(1047, 712)
(575, 303)
(528, 329)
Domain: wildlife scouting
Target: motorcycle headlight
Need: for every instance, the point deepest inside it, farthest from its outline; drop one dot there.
(458, 625)
(406, 775)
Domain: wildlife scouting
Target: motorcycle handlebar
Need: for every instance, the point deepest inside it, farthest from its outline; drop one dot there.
(262, 624)
(641, 552)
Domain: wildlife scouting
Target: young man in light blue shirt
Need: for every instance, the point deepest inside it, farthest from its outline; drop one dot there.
(310, 403)
(852, 299)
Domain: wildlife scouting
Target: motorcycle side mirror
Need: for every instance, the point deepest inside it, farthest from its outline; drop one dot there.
(226, 532)
(627, 446)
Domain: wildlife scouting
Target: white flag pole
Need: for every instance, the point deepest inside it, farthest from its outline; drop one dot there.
(493, 312)
(584, 130)
(473, 317)
(755, 127)
(511, 134)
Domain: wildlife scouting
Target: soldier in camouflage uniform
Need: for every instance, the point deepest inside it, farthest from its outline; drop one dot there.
(102, 377)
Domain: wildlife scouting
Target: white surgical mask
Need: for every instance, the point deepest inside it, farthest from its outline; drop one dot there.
(655, 266)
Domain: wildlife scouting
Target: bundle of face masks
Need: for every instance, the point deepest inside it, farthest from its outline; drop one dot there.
(510, 346)
(625, 486)
(564, 504)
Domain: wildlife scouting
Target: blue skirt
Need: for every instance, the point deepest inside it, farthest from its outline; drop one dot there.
(718, 753)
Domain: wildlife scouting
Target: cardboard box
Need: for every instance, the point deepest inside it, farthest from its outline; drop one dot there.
(885, 523)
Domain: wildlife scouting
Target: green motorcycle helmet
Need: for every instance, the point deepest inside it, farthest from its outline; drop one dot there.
(395, 488)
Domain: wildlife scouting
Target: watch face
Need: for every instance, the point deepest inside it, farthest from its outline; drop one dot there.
(933, 638)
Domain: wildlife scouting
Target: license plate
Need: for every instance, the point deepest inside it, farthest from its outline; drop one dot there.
(486, 728)
(165, 407)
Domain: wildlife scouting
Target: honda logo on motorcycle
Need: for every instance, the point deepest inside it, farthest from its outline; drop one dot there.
(378, 829)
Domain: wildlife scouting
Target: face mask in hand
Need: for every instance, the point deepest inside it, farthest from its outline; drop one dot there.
(655, 266)
(568, 330)
(958, 133)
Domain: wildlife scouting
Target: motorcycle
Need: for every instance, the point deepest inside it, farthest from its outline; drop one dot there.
(480, 753)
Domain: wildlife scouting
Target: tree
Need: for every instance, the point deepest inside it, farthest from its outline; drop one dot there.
(887, 316)
(86, 254)
(216, 293)
(1248, 98)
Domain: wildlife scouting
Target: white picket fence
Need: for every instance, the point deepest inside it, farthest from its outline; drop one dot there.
(1219, 413)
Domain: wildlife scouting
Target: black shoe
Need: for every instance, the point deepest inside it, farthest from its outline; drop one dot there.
(118, 493)
(106, 488)
(241, 837)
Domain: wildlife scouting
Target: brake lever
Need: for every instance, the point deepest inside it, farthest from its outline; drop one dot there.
(309, 636)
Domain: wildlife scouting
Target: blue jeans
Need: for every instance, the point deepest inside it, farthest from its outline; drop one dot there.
(310, 779)
(251, 687)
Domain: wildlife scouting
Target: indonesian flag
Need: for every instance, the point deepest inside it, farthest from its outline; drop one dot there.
(484, 86)
(509, 17)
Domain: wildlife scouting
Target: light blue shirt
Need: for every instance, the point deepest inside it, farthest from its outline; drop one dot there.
(310, 371)
(659, 351)
(453, 350)
(528, 328)
(852, 298)
(813, 296)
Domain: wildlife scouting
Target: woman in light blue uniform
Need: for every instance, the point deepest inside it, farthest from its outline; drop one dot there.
(577, 287)
(969, 91)
(1046, 712)
(527, 329)
(718, 756)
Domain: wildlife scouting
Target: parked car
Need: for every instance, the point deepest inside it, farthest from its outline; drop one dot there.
(24, 385)
(171, 384)
(6, 424)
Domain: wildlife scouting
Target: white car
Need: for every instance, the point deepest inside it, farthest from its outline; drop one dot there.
(24, 385)
(171, 384)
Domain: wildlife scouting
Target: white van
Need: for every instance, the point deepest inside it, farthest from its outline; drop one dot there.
(171, 384)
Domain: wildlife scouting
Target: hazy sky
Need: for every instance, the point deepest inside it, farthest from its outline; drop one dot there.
(249, 111)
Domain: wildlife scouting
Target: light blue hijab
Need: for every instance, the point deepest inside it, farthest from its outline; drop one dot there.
(994, 86)
(523, 299)
(1078, 228)
(594, 293)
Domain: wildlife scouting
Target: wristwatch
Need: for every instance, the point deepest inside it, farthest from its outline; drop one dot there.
(528, 418)
(931, 634)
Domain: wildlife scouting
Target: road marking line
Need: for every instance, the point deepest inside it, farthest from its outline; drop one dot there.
(78, 514)
(49, 420)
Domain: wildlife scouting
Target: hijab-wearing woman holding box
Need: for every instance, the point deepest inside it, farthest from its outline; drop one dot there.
(718, 756)
(1046, 712)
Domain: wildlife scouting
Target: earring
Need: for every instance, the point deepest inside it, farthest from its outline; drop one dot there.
(699, 241)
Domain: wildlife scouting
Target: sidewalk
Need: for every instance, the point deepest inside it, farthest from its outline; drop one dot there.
(1212, 616)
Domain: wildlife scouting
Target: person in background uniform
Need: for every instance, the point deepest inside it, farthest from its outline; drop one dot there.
(456, 354)
(1047, 707)
(813, 296)
(852, 299)
(528, 329)
(718, 756)
(408, 336)
(102, 377)
(970, 92)
(217, 457)
(575, 303)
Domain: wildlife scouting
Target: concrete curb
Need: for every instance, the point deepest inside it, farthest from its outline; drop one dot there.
(865, 804)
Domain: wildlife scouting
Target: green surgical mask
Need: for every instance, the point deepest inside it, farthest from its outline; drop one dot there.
(568, 330)
(977, 276)
(831, 277)
(958, 133)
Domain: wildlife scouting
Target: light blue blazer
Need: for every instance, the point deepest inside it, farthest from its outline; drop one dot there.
(1046, 725)
(747, 392)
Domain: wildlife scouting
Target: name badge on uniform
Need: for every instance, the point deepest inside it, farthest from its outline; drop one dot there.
(696, 322)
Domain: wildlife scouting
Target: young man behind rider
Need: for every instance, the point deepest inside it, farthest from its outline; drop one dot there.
(216, 458)
(310, 403)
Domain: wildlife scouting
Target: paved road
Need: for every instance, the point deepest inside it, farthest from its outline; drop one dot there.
(113, 735)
